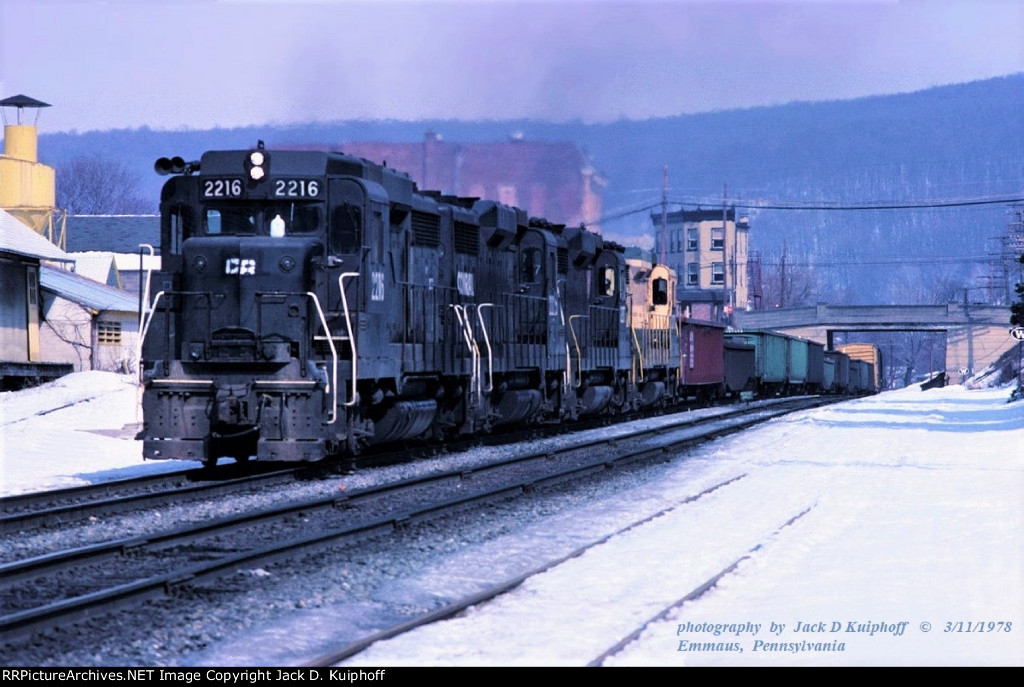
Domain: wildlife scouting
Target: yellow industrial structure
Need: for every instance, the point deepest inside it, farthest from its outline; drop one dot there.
(28, 187)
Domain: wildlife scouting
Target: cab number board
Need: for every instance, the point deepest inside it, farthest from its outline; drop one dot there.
(296, 188)
(222, 188)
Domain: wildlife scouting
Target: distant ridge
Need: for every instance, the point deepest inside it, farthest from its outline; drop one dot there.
(961, 140)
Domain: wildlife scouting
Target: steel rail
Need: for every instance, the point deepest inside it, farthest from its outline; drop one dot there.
(89, 604)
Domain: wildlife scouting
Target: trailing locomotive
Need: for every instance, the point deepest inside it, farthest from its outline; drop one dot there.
(310, 304)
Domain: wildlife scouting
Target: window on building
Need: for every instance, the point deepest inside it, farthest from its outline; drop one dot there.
(718, 273)
(692, 274)
(108, 332)
(33, 286)
(717, 238)
(691, 238)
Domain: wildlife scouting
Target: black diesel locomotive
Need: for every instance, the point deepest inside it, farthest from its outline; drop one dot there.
(312, 303)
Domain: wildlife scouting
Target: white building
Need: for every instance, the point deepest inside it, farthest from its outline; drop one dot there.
(91, 325)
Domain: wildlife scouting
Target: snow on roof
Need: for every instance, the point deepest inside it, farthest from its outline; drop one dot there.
(97, 266)
(125, 262)
(129, 262)
(19, 239)
(87, 292)
(117, 233)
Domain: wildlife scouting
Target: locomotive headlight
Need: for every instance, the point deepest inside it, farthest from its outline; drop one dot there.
(257, 162)
(199, 263)
(287, 263)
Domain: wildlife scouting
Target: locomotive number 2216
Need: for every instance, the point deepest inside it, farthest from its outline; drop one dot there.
(296, 188)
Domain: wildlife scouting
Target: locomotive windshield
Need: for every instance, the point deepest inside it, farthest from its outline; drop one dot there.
(241, 219)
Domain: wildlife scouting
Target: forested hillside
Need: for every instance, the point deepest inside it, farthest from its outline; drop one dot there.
(941, 144)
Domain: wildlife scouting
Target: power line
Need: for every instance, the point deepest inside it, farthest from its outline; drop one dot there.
(908, 262)
(627, 213)
(775, 205)
(766, 205)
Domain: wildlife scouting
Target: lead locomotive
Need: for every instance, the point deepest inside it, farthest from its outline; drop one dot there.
(312, 303)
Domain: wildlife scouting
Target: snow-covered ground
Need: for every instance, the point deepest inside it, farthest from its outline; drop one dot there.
(890, 528)
(76, 430)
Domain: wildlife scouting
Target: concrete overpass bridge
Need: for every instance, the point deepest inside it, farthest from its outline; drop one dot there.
(976, 335)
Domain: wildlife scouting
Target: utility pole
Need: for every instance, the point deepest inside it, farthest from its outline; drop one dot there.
(727, 300)
(664, 211)
(782, 277)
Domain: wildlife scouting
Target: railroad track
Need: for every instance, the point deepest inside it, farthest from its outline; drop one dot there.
(61, 587)
(453, 608)
(492, 591)
(59, 507)
(25, 512)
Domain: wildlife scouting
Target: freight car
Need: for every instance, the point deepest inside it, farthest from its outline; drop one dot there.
(702, 362)
(835, 372)
(780, 362)
(310, 304)
(871, 356)
(785, 364)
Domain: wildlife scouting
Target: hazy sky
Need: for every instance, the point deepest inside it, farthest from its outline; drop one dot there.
(199, 63)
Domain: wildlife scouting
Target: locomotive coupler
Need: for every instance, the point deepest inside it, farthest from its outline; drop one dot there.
(232, 405)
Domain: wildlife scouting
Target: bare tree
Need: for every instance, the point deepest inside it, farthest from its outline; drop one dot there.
(1017, 307)
(924, 286)
(913, 353)
(93, 185)
(947, 289)
(73, 328)
(787, 284)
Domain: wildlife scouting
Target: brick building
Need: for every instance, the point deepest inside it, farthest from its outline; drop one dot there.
(555, 181)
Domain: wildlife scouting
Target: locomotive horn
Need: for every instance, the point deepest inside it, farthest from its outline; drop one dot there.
(174, 165)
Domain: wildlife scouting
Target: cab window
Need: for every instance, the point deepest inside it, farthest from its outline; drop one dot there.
(530, 264)
(606, 281)
(250, 220)
(659, 292)
(345, 229)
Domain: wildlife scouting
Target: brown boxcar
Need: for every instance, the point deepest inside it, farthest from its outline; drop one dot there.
(701, 363)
